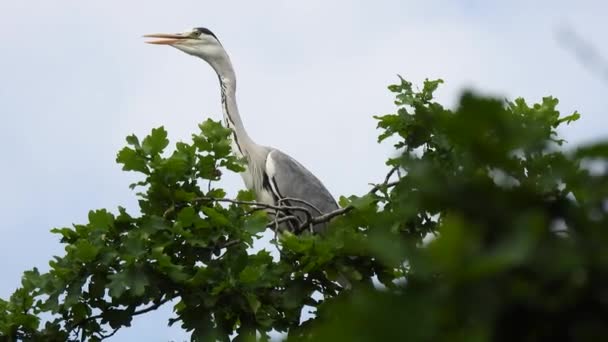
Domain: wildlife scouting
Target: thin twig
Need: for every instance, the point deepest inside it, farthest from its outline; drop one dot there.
(104, 336)
(255, 204)
(286, 209)
(288, 218)
(279, 208)
(278, 220)
(152, 307)
(170, 210)
(390, 174)
(300, 201)
(135, 313)
(230, 243)
(328, 216)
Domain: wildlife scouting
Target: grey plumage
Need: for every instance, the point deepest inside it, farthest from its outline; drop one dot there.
(292, 181)
(275, 177)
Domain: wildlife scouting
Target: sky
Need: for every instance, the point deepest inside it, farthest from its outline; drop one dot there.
(76, 78)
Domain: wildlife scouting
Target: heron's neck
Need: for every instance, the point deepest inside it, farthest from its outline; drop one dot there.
(232, 118)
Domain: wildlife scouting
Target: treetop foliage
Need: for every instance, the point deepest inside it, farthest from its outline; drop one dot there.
(517, 254)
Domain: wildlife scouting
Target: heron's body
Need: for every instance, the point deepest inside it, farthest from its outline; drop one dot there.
(274, 177)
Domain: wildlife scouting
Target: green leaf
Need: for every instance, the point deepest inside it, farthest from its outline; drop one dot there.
(184, 196)
(118, 318)
(206, 166)
(156, 142)
(429, 88)
(597, 150)
(133, 141)
(485, 180)
(132, 161)
(363, 202)
(152, 224)
(216, 193)
(101, 219)
(295, 243)
(245, 195)
(97, 286)
(214, 130)
(254, 272)
(117, 285)
(68, 234)
(568, 119)
(215, 216)
(133, 279)
(254, 302)
(387, 247)
(138, 283)
(234, 164)
(80, 311)
(187, 216)
(256, 223)
(85, 251)
(343, 201)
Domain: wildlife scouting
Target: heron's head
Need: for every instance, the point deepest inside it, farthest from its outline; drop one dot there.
(200, 42)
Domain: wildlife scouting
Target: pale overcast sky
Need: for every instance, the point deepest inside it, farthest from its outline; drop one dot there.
(76, 78)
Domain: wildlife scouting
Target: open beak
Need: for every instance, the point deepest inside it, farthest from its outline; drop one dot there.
(165, 39)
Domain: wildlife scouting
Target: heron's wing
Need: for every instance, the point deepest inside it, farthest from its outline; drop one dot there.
(290, 181)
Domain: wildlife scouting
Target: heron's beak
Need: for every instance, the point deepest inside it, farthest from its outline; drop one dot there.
(165, 38)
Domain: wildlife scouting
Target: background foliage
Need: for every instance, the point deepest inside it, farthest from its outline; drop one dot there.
(518, 253)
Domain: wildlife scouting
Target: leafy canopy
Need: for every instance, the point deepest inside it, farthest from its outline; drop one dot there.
(518, 253)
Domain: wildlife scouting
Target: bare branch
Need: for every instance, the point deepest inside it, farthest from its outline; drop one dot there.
(230, 243)
(278, 220)
(390, 174)
(169, 211)
(328, 216)
(153, 307)
(104, 336)
(80, 324)
(255, 204)
(279, 209)
(286, 209)
(300, 201)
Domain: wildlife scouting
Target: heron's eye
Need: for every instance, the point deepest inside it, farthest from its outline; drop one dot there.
(195, 34)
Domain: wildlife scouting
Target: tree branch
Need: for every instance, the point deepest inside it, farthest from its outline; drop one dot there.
(104, 336)
(300, 201)
(389, 175)
(255, 204)
(330, 215)
(287, 209)
(135, 313)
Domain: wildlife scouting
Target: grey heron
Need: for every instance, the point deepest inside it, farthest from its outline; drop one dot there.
(275, 177)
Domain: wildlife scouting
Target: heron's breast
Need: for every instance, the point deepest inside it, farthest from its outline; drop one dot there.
(254, 181)
(248, 179)
(264, 196)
